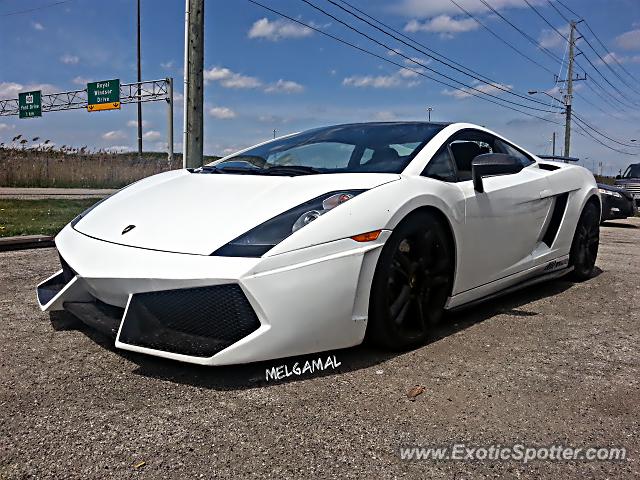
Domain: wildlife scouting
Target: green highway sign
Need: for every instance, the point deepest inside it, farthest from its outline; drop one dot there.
(103, 95)
(30, 104)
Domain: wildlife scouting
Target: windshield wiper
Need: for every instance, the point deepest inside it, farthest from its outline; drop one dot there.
(216, 169)
(291, 170)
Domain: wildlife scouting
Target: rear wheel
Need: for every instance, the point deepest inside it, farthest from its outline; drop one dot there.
(411, 283)
(584, 248)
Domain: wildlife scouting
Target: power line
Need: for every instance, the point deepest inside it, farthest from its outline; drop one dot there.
(523, 33)
(604, 47)
(587, 133)
(423, 65)
(615, 59)
(580, 50)
(380, 57)
(475, 75)
(519, 52)
(42, 7)
(617, 75)
(549, 53)
(593, 129)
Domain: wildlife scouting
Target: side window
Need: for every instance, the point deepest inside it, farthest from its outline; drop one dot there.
(366, 155)
(464, 149)
(441, 167)
(503, 147)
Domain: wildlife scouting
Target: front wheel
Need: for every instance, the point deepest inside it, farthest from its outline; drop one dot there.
(584, 248)
(411, 284)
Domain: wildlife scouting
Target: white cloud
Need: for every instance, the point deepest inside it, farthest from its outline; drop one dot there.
(81, 80)
(229, 79)
(118, 149)
(401, 78)
(222, 113)
(12, 89)
(167, 65)
(134, 123)
(467, 93)
(629, 40)
(277, 30)
(69, 59)
(6, 126)
(550, 39)
(151, 135)
(284, 86)
(385, 116)
(431, 8)
(612, 57)
(114, 135)
(443, 24)
(37, 26)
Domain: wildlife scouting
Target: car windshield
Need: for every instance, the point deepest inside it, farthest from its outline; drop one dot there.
(632, 172)
(371, 147)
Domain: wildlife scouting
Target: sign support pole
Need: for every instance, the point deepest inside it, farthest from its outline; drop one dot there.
(170, 126)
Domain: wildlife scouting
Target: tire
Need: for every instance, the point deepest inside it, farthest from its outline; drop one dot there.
(584, 247)
(63, 320)
(411, 283)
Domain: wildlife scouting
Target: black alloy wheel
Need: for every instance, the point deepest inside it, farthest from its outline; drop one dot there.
(584, 248)
(412, 282)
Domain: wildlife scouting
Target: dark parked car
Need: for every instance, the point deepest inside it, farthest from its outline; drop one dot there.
(630, 181)
(616, 203)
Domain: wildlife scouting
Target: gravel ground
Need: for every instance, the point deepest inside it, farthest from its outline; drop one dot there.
(557, 363)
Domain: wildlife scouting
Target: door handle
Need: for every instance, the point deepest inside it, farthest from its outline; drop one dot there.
(546, 193)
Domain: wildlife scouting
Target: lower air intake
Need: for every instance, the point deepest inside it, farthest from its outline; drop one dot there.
(195, 321)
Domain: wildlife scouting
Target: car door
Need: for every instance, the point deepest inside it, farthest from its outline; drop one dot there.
(503, 224)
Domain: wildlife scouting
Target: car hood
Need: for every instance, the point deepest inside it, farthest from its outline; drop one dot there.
(197, 213)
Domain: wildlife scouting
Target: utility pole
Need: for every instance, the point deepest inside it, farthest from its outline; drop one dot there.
(274, 133)
(568, 98)
(553, 144)
(192, 144)
(429, 110)
(139, 80)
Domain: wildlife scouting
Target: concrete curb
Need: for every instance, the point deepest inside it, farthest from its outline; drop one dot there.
(24, 242)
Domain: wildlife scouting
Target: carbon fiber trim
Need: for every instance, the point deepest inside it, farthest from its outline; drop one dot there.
(195, 321)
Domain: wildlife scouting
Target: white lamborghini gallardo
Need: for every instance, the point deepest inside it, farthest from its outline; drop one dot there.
(316, 240)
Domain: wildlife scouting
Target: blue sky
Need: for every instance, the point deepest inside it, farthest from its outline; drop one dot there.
(264, 73)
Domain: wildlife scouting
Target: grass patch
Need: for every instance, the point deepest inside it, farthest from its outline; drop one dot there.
(38, 217)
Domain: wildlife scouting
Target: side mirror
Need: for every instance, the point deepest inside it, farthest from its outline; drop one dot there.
(491, 164)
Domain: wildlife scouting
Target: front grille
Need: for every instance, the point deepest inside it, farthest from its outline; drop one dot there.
(631, 187)
(195, 321)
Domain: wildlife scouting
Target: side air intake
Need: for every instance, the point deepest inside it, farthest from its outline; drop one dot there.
(559, 208)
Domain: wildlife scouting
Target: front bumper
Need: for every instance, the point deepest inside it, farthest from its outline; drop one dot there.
(299, 302)
(617, 207)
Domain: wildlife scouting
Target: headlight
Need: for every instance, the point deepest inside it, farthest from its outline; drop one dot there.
(259, 240)
(609, 192)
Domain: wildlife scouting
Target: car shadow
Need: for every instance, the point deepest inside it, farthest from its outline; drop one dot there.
(609, 223)
(253, 375)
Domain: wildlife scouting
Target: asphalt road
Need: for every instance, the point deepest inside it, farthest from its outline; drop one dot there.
(53, 193)
(558, 363)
